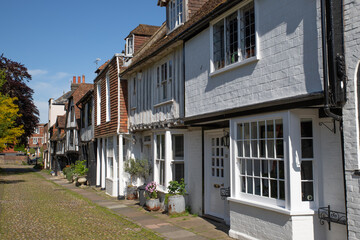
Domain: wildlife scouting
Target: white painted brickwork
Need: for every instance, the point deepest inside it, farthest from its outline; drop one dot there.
(351, 126)
(289, 61)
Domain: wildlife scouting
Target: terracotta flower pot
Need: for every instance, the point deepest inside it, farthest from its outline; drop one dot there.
(131, 193)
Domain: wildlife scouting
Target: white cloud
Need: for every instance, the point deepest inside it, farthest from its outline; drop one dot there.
(59, 76)
(37, 72)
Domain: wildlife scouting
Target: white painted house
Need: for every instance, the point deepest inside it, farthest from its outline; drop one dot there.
(254, 74)
(231, 96)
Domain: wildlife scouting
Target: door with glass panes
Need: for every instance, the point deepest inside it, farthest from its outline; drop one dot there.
(217, 174)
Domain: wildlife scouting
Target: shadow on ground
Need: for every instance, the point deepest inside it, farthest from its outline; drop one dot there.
(10, 170)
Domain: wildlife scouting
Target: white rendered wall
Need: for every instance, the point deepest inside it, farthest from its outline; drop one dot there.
(289, 62)
(350, 115)
(54, 111)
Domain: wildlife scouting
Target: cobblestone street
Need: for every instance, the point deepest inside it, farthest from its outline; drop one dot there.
(32, 207)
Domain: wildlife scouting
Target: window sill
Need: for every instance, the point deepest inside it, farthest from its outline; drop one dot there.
(273, 208)
(170, 31)
(234, 65)
(164, 103)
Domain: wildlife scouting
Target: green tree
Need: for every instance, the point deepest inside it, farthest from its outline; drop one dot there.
(9, 131)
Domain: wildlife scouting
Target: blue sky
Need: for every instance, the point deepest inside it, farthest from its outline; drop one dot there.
(57, 40)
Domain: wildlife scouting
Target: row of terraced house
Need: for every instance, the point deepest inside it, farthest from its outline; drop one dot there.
(253, 102)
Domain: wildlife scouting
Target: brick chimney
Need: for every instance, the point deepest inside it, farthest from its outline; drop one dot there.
(79, 79)
(74, 84)
(83, 78)
(74, 79)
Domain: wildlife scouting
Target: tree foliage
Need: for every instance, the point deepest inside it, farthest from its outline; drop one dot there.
(10, 132)
(16, 76)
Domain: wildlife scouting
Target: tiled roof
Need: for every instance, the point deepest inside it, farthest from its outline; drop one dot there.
(206, 11)
(61, 121)
(144, 30)
(63, 99)
(102, 66)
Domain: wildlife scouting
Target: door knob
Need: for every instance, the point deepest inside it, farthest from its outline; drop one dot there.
(216, 185)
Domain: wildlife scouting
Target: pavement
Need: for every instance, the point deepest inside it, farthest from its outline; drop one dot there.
(181, 227)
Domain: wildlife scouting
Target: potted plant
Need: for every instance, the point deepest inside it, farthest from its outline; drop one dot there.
(69, 172)
(175, 197)
(152, 200)
(135, 169)
(81, 172)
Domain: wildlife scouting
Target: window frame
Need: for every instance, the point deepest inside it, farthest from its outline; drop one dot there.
(236, 183)
(160, 150)
(130, 45)
(89, 112)
(107, 90)
(164, 75)
(240, 59)
(177, 160)
(98, 103)
(176, 15)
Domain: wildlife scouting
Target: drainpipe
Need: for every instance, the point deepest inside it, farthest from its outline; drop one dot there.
(326, 86)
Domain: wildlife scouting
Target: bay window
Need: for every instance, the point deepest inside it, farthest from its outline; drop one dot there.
(234, 38)
(260, 156)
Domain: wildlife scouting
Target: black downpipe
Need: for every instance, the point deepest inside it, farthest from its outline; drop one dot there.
(328, 45)
(325, 41)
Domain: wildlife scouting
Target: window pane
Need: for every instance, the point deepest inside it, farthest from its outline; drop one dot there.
(254, 130)
(240, 131)
(243, 167)
(306, 170)
(257, 186)
(262, 129)
(249, 171)
(274, 190)
(178, 146)
(270, 129)
(265, 168)
(306, 128)
(279, 128)
(243, 184)
(273, 169)
(246, 131)
(218, 45)
(250, 185)
(262, 148)
(254, 148)
(281, 170)
(231, 39)
(282, 190)
(257, 168)
(247, 148)
(179, 171)
(270, 148)
(279, 148)
(240, 148)
(307, 191)
(307, 148)
(265, 190)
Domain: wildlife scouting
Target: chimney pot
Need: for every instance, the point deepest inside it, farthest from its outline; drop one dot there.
(83, 78)
(74, 79)
(79, 79)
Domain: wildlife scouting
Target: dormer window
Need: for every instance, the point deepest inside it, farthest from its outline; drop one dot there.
(130, 46)
(175, 14)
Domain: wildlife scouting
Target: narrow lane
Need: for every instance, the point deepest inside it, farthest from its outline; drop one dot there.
(34, 208)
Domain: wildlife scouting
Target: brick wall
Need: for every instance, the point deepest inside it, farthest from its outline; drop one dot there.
(350, 115)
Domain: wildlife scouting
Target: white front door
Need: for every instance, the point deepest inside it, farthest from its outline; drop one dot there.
(217, 174)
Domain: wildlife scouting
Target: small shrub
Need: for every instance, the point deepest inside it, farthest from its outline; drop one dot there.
(177, 188)
(80, 168)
